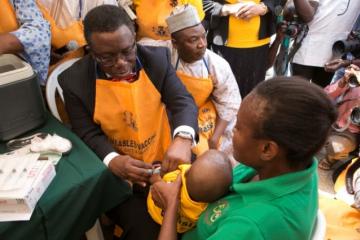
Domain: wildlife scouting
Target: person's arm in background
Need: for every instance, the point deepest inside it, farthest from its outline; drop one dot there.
(212, 8)
(335, 64)
(32, 38)
(273, 50)
(10, 44)
(274, 47)
(338, 88)
(225, 96)
(306, 9)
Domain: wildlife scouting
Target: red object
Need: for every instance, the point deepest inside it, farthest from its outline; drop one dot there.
(129, 78)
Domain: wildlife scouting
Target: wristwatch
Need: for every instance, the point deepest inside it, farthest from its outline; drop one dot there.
(184, 134)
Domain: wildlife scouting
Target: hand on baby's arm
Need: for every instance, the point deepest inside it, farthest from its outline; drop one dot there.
(165, 194)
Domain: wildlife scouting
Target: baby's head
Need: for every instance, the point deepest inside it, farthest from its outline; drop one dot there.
(209, 177)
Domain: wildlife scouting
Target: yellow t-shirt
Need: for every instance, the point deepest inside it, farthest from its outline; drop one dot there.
(342, 221)
(151, 15)
(244, 33)
(189, 210)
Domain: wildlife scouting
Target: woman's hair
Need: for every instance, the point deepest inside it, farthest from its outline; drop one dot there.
(297, 115)
(106, 18)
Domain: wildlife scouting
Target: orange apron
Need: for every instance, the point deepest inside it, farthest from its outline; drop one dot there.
(59, 37)
(151, 15)
(8, 23)
(151, 19)
(201, 89)
(62, 36)
(133, 117)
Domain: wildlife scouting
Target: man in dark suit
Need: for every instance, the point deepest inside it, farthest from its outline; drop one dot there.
(115, 98)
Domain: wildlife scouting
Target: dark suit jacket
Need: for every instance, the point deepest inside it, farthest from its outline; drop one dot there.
(78, 84)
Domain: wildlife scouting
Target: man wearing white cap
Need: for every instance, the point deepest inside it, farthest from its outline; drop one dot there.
(206, 75)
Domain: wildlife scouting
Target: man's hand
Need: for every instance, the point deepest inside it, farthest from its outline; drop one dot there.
(335, 64)
(179, 152)
(166, 193)
(131, 169)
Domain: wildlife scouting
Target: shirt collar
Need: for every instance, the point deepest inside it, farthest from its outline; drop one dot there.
(271, 188)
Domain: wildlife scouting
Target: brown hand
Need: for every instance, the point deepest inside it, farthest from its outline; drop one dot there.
(214, 142)
(335, 64)
(179, 152)
(131, 169)
(164, 193)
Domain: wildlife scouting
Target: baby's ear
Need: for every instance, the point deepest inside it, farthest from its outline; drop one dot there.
(155, 178)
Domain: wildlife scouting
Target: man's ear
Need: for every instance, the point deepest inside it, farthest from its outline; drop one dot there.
(269, 151)
(174, 43)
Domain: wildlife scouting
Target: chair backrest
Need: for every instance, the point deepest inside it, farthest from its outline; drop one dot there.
(52, 86)
(320, 227)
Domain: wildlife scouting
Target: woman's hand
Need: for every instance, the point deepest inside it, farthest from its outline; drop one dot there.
(249, 10)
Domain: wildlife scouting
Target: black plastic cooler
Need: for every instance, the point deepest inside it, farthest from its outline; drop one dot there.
(21, 104)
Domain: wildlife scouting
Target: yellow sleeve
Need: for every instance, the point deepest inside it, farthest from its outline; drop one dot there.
(198, 5)
(136, 3)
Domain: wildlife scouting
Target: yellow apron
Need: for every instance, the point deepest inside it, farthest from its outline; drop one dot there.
(8, 23)
(151, 15)
(59, 37)
(133, 117)
(244, 33)
(62, 36)
(201, 89)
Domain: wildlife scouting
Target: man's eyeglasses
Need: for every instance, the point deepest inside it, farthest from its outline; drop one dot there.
(110, 61)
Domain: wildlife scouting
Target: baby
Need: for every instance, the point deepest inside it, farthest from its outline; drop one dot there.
(204, 181)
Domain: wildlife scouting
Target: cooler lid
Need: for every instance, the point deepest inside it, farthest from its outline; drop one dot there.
(13, 69)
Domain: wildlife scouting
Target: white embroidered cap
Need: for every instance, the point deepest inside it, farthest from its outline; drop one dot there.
(182, 17)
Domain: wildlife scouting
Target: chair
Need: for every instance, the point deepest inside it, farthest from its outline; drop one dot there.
(52, 86)
(320, 227)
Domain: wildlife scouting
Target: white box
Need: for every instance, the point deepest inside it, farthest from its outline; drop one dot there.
(17, 204)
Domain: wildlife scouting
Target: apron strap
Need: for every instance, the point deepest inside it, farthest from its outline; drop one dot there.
(178, 60)
(80, 10)
(206, 65)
